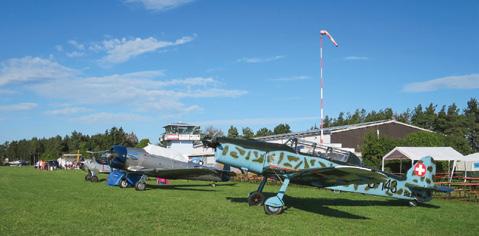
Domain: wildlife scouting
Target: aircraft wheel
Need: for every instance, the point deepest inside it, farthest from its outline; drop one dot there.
(88, 177)
(94, 179)
(413, 203)
(213, 185)
(140, 186)
(255, 199)
(123, 183)
(270, 210)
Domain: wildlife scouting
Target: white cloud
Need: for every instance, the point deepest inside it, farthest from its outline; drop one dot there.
(67, 111)
(32, 69)
(121, 50)
(470, 81)
(160, 5)
(256, 121)
(59, 48)
(254, 60)
(106, 117)
(292, 78)
(76, 45)
(139, 86)
(75, 54)
(141, 91)
(18, 107)
(356, 58)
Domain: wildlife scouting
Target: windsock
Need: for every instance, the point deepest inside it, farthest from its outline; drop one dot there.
(324, 32)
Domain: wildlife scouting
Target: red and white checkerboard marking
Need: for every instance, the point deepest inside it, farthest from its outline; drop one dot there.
(420, 169)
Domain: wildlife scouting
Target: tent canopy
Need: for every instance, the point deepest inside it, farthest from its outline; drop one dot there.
(468, 163)
(472, 157)
(416, 153)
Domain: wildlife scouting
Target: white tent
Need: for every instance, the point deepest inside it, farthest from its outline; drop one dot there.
(416, 153)
(468, 163)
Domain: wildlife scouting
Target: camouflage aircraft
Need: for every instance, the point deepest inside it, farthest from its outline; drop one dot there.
(136, 161)
(301, 162)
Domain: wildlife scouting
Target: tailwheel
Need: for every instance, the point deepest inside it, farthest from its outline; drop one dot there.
(213, 185)
(255, 199)
(271, 210)
(123, 183)
(94, 179)
(140, 186)
(413, 203)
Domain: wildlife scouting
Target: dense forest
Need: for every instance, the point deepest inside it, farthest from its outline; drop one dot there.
(52, 148)
(455, 127)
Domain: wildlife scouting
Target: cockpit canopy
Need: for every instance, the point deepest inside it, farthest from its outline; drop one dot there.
(333, 154)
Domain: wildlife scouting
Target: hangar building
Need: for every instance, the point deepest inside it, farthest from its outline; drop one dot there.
(350, 137)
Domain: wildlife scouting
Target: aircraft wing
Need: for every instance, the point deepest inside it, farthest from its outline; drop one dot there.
(176, 173)
(338, 175)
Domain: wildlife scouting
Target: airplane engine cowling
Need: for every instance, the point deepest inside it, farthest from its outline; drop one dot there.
(117, 157)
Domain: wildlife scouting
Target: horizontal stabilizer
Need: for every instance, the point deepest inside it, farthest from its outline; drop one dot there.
(339, 175)
(443, 189)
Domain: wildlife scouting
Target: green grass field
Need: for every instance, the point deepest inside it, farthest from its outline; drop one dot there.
(36, 202)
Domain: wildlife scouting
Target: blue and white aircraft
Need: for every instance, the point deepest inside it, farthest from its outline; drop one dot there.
(301, 162)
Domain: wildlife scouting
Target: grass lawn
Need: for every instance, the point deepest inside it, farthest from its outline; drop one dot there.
(36, 202)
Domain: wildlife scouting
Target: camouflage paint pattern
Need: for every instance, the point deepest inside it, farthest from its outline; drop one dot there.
(291, 164)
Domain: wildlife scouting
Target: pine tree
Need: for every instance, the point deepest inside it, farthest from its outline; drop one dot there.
(233, 132)
(247, 133)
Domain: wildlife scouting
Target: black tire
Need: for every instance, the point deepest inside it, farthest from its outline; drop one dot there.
(124, 183)
(140, 186)
(87, 177)
(94, 179)
(255, 199)
(269, 210)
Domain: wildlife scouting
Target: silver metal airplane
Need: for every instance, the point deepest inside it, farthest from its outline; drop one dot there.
(96, 165)
(136, 161)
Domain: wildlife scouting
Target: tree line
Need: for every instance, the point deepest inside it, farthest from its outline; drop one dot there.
(455, 127)
(51, 148)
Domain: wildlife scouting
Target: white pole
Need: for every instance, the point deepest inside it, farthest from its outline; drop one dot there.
(322, 84)
(321, 33)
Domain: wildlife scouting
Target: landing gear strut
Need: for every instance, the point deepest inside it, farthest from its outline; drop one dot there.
(141, 184)
(257, 198)
(275, 205)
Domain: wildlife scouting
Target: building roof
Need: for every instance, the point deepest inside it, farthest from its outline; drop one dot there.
(179, 124)
(416, 153)
(336, 129)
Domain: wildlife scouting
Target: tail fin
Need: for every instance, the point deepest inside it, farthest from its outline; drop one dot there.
(422, 173)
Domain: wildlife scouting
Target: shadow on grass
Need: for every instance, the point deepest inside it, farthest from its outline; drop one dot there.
(320, 205)
(189, 187)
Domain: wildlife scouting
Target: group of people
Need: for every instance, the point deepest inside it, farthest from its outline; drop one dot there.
(45, 165)
(56, 164)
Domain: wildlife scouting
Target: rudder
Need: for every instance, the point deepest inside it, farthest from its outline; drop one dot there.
(422, 173)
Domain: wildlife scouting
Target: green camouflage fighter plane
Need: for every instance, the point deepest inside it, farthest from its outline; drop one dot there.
(301, 162)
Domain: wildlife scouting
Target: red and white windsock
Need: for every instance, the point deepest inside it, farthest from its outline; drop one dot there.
(324, 32)
(321, 33)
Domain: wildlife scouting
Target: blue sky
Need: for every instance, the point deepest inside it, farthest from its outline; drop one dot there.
(140, 64)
